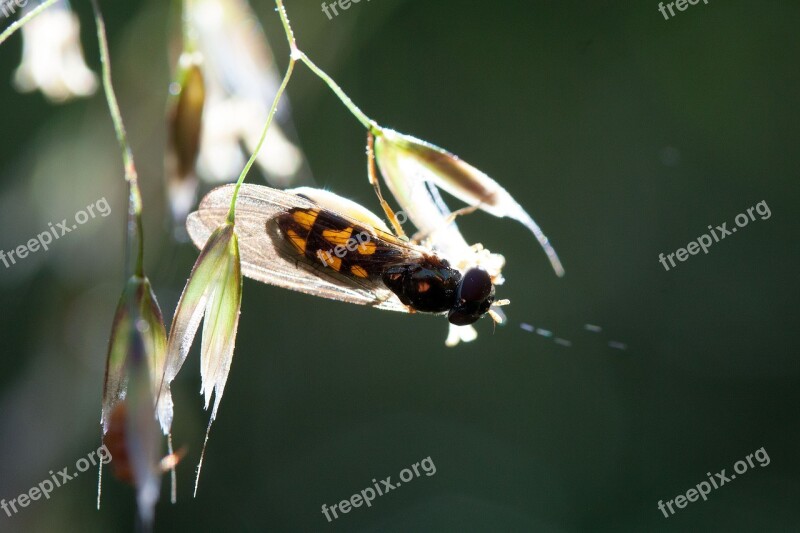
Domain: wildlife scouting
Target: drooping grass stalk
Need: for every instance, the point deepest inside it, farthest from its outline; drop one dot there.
(17, 24)
(270, 116)
(289, 69)
(368, 123)
(297, 55)
(134, 246)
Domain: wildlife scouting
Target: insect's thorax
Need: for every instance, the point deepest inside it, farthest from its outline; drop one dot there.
(429, 286)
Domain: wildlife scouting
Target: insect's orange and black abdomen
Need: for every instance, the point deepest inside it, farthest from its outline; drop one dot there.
(334, 242)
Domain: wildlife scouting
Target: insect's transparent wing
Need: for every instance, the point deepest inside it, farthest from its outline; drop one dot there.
(265, 259)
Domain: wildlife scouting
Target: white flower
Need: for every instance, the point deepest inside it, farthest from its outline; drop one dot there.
(241, 80)
(52, 57)
(213, 295)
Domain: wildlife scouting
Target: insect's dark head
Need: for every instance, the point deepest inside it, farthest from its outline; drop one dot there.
(474, 296)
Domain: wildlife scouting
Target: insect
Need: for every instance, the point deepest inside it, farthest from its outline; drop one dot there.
(319, 243)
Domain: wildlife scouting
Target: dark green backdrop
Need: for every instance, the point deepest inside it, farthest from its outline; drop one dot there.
(623, 134)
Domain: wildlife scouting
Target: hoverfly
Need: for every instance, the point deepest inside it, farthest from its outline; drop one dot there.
(316, 242)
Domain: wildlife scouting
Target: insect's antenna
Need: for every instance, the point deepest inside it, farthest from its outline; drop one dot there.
(496, 318)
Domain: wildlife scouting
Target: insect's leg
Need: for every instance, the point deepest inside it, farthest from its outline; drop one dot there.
(410, 309)
(419, 236)
(373, 179)
(461, 212)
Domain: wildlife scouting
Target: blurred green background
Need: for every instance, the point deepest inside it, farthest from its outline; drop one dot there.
(623, 134)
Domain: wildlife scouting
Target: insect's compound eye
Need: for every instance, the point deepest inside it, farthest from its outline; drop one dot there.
(474, 297)
(476, 286)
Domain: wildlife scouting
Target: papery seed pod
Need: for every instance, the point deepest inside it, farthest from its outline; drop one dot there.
(142, 438)
(410, 166)
(137, 321)
(213, 291)
(134, 365)
(184, 129)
